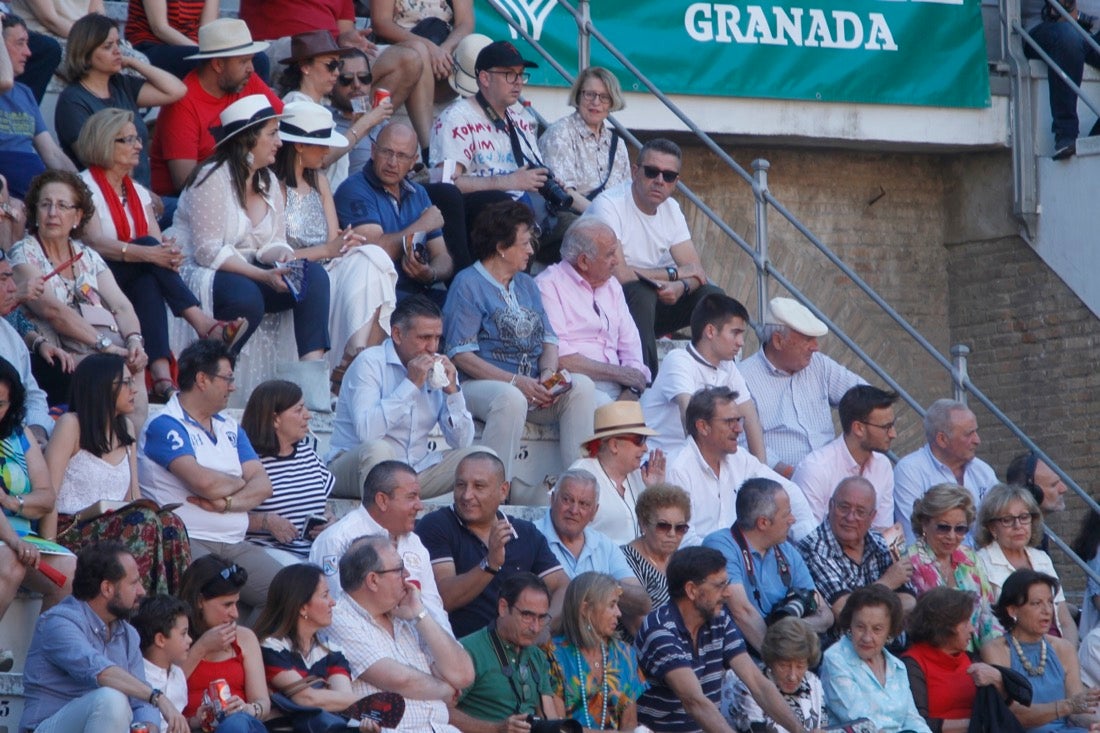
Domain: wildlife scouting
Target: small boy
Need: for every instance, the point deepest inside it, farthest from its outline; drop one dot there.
(162, 623)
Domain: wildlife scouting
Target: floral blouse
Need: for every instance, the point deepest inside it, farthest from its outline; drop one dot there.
(569, 670)
(15, 479)
(969, 576)
(407, 13)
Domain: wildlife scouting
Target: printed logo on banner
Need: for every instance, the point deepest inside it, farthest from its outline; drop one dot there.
(530, 14)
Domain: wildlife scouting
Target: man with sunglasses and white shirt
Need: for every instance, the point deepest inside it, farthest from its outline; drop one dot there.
(659, 268)
(511, 674)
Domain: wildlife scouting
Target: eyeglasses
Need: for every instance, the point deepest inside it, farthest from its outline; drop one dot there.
(860, 513)
(638, 440)
(63, 206)
(720, 585)
(958, 529)
(1011, 521)
(346, 80)
(887, 427)
(664, 527)
(730, 422)
(400, 157)
(590, 96)
(652, 171)
(332, 65)
(229, 378)
(128, 139)
(512, 76)
(399, 569)
(531, 616)
(128, 382)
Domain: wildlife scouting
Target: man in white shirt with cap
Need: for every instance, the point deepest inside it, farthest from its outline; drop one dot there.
(795, 386)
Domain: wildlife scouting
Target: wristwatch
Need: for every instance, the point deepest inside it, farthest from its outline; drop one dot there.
(420, 616)
(154, 696)
(102, 344)
(487, 567)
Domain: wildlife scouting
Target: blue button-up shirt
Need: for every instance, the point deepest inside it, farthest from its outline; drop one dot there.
(70, 648)
(917, 472)
(765, 587)
(599, 554)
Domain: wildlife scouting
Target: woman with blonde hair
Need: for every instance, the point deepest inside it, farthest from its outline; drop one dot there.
(941, 520)
(593, 671)
(1010, 526)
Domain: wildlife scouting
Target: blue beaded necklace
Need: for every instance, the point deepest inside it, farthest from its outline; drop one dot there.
(603, 686)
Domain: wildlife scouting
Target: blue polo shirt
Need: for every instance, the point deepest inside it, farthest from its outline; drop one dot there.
(363, 199)
(664, 644)
(765, 568)
(600, 554)
(448, 539)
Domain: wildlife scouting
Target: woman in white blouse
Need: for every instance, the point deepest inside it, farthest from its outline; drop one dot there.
(615, 454)
(231, 225)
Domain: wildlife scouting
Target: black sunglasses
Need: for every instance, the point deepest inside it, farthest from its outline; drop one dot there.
(346, 80)
(333, 65)
(652, 171)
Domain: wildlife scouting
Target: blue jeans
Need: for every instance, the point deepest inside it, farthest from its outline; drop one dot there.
(1068, 48)
(236, 296)
(241, 723)
(105, 710)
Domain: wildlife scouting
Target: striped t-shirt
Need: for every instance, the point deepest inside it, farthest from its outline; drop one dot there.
(664, 645)
(300, 486)
(183, 16)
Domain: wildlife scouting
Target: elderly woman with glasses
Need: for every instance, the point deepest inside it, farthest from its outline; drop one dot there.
(593, 671)
(663, 512)
(941, 521)
(1010, 526)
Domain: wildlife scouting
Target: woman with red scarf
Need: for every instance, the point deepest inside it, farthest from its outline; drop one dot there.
(124, 231)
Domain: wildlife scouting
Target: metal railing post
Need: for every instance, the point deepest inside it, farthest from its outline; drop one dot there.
(584, 40)
(959, 375)
(760, 186)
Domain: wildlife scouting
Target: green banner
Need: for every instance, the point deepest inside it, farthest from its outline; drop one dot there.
(928, 52)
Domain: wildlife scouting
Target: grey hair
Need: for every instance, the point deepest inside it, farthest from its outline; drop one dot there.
(580, 476)
(756, 499)
(580, 238)
(995, 501)
(938, 417)
(770, 329)
(361, 557)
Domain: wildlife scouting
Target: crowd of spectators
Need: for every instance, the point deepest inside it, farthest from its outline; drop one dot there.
(713, 555)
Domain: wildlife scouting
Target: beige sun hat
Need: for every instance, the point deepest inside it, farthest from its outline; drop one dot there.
(226, 37)
(464, 77)
(619, 418)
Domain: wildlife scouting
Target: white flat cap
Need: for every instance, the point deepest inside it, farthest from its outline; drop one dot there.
(794, 315)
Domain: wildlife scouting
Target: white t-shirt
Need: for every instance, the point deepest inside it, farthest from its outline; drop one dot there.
(646, 239)
(106, 223)
(683, 371)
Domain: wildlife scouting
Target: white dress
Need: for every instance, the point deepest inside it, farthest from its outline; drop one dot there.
(210, 227)
(361, 281)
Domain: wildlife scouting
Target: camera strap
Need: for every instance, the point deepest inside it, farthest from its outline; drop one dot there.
(746, 557)
(509, 671)
(505, 123)
(610, 165)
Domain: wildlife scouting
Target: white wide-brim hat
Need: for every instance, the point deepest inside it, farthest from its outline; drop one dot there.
(464, 77)
(226, 37)
(310, 123)
(246, 112)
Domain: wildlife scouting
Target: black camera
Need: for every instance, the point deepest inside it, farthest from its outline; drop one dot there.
(567, 725)
(555, 195)
(797, 603)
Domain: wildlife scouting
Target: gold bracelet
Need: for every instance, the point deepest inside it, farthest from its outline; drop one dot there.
(228, 504)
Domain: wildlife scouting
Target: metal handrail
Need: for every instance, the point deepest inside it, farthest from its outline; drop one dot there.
(764, 266)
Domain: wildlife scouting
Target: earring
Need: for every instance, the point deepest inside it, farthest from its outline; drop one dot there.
(250, 159)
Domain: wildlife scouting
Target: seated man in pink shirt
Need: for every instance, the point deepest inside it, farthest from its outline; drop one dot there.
(597, 336)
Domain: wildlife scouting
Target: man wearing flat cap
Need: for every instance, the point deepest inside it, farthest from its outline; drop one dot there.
(182, 137)
(490, 138)
(794, 385)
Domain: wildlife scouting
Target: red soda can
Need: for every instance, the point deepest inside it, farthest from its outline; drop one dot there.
(378, 96)
(208, 722)
(140, 728)
(219, 695)
(414, 581)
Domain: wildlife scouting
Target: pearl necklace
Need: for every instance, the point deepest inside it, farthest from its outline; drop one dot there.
(1032, 671)
(603, 686)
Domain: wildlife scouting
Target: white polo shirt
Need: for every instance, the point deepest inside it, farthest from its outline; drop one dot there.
(174, 434)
